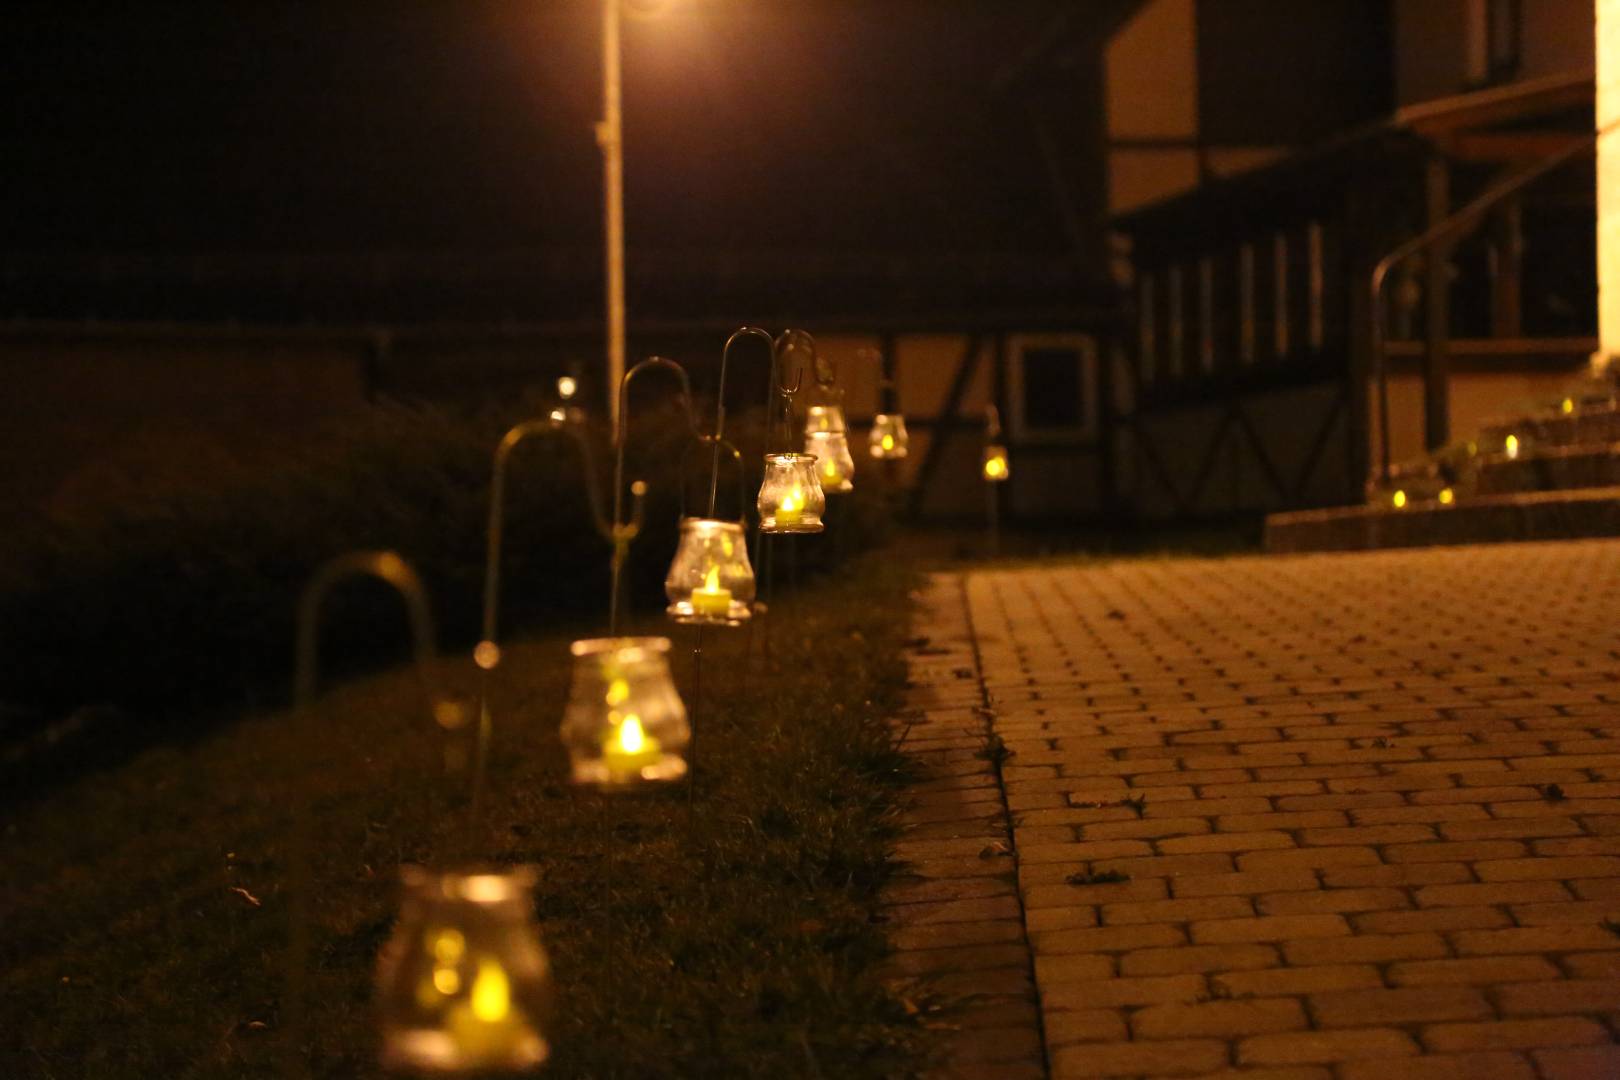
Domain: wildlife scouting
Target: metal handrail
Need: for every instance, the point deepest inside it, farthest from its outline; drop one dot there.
(1449, 228)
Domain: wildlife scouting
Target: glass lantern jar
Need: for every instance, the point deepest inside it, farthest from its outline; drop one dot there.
(835, 467)
(711, 581)
(888, 440)
(625, 724)
(995, 463)
(791, 499)
(828, 417)
(463, 985)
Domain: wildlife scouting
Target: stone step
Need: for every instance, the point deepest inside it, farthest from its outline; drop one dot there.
(1586, 423)
(1550, 468)
(1537, 515)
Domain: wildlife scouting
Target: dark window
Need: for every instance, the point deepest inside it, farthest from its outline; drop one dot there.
(1052, 388)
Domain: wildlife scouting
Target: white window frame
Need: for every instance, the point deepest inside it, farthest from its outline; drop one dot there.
(1085, 346)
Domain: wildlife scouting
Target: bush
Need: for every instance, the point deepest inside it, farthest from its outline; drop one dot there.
(163, 606)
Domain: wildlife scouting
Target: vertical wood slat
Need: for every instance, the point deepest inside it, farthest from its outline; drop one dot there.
(1313, 239)
(1177, 344)
(1246, 303)
(1206, 314)
(1147, 345)
(1279, 280)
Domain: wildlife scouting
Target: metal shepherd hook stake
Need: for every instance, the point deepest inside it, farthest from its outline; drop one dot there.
(388, 567)
(488, 654)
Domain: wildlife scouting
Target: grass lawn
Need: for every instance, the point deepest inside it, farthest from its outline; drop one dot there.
(143, 910)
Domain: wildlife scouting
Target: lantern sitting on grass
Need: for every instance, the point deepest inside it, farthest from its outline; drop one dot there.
(463, 980)
(463, 985)
(624, 724)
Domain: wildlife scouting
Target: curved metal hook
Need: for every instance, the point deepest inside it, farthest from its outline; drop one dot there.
(388, 567)
(725, 361)
(742, 479)
(778, 395)
(616, 534)
(786, 342)
(621, 432)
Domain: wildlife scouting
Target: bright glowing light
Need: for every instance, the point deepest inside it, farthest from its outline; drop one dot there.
(491, 993)
(995, 468)
(446, 981)
(1511, 445)
(448, 948)
(888, 442)
(711, 580)
(793, 501)
(631, 737)
(487, 655)
(559, 415)
(1568, 406)
(618, 692)
(1399, 499)
(1447, 497)
(1607, 111)
(567, 387)
(830, 470)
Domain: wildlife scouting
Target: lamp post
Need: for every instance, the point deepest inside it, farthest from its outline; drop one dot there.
(610, 137)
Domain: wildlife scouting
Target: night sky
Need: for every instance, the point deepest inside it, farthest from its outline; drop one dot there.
(467, 125)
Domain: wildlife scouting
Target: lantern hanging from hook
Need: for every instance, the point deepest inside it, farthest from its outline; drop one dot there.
(995, 464)
(711, 581)
(835, 466)
(790, 497)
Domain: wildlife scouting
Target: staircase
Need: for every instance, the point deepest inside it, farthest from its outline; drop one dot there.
(1548, 474)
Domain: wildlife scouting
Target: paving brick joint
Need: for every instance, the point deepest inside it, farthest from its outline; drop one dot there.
(1328, 817)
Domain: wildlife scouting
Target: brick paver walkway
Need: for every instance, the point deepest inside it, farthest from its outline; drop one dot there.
(1334, 817)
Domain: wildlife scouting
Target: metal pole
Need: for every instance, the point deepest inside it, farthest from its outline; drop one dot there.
(610, 137)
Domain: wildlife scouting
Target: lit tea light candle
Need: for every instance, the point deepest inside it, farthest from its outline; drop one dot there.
(711, 599)
(485, 1026)
(629, 749)
(830, 471)
(888, 442)
(790, 511)
(995, 468)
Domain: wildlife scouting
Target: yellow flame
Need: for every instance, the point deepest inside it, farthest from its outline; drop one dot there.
(1512, 446)
(830, 470)
(567, 387)
(888, 442)
(448, 947)
(618, 691)
(631, 737)
(1447, 497)
(996, 466)
(711, 582)
(1399, 499)
(1568, 406)
(793, 500)
(491, 993)
(445, 980)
